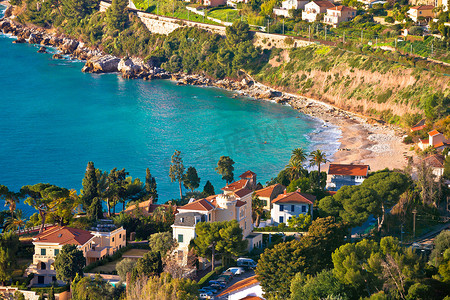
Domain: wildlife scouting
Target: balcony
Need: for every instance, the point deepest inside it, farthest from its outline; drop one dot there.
(42, 257)
(99, 252)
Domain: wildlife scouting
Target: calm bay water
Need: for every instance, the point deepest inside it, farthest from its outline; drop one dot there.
(54, 119)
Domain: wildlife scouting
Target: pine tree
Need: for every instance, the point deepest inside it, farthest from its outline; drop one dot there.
(191, 180)
(208, 189)
(176, 171)
(225, 168)
(89, 186)
(116, 15)
(150, 186)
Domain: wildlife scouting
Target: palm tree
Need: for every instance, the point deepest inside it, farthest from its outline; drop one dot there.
(258, 209)
(11, 198)
(294, 169)
(318, 157)
(299, 154)
(15, 223)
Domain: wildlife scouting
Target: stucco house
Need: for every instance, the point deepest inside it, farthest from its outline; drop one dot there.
(288, 5)
(341, 174)
(425, 11)
(104, 240)
(288, 205)
(269, 193)
(436, 162)
(214, 3)
(338, 14)
(246, 289)
(436, 140)
(234, 204)
(315, 8)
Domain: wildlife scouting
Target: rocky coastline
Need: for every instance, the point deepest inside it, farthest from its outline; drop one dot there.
(371, 133)
(135, 68)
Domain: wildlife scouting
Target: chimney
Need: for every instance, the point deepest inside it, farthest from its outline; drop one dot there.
(284, 191)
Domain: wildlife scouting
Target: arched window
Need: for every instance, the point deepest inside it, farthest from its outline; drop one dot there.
(43, 266)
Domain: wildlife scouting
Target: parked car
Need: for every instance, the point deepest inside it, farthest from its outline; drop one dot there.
(228, 273)
(206, 295)
(246, 263)
(207, 289)
(218, 286)
(213, 282)
(236, 270)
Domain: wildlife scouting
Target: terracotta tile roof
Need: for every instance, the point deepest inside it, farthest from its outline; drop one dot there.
(342, 8)
(419, 126)
(240, 203)
(295, 197)
(439, 145)
(240, 285)
(251, 298)
(348, 170)
(243, 192)
(433, 133)
(237, 185)
(247, 174)
(331, 193)
(201, 205)
(64, 235)
(436, 160)
(267, 191)
(142, 205)
(426, 141)
(321, 3)
(423, 7)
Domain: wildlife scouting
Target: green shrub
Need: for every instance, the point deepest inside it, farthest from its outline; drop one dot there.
(205, 279)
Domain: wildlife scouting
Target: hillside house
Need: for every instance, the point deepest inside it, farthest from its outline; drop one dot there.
(436, 140)
(269, 193)
(436, 162)
(105, 239)
(314, 8)
(246, 289)
(340, 175)
(214, 3)
(234, 204)
(419, 126)
(338, 14)
(425, 11)
(287, 5)
(288, 205)
(146, 208)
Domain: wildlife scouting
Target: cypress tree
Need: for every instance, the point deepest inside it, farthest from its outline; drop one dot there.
(208, 189)
(89, 186)
(95, 211)
(150, 186)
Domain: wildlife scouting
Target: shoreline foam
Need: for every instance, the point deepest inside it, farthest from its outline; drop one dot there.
(354, 129)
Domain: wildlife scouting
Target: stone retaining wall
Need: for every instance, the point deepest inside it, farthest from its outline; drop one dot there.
(165, 25)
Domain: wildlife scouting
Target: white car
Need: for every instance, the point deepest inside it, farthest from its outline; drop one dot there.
(236, 270)
(206, 295)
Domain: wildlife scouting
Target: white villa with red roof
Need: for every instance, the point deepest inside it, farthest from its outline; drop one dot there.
(340, 175)
(104, 240)
(269, 193)
(288, 205)
(436, 140)
(315, 8)
(234, 204)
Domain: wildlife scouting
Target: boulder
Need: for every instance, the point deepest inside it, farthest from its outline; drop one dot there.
(45, 41)
(42, 50)
(57, 56)
(128, 68)
(68, 46)
(102, 64)
(35, 39)
(19, 41)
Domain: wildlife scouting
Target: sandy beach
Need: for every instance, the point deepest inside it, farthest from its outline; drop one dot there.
(378, 146)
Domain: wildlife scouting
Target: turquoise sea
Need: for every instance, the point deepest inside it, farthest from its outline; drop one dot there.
(54, 119)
